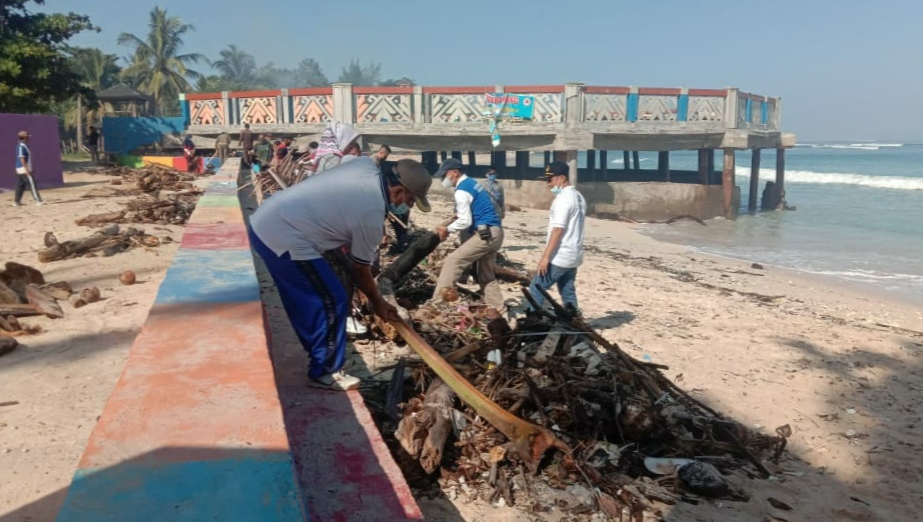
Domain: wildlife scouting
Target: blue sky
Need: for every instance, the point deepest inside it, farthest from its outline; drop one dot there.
(846, 70)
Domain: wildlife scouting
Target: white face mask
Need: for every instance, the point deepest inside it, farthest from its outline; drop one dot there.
(556, 190)
(447, 182)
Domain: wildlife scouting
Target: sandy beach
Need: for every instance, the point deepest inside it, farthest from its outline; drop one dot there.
(767, 347)
(60, 378)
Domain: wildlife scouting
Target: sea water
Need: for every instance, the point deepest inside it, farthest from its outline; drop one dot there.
(859, 214)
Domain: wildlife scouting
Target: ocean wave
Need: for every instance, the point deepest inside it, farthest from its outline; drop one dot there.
(839, 178)
(851, 146)
(871, 275)
(622, 161)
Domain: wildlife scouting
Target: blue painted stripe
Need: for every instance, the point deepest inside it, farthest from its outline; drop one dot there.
(749, 109)
(632, 109)
(184, 107)
(764, 118)
(202, 276)
(241, 489)
(682, 107)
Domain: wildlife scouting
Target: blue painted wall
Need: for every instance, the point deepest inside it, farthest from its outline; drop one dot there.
(123, 135)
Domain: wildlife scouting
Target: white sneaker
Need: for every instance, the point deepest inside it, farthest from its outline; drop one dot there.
(338, 381)
(17, 204)
(39, 203)
(355, 328)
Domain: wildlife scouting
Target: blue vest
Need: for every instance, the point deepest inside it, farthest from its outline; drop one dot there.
(482, 208)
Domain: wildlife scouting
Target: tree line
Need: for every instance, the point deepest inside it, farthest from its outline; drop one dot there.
(41, 72)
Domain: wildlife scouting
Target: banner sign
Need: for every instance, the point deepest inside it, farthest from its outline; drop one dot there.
(510, 106)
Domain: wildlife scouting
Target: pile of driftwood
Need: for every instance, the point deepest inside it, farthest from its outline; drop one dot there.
(106, 242)
(271, 179)
(24, 292)
(153, 206)
(549, 415)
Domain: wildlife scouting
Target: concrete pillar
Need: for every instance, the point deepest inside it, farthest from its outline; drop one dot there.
(636, 156)
(626, 160)
(663, 164)
(730, 108)
(431, 160)
(573, 104)
(444, 155)
(780, 174)
(227, 107)
(604, 165)
(418, 111)
(754, 180)
(498, 159)
(522, 163)
(703, 167)
(457, 155)
(710, 165)
(547, 157)
(727, 182)
(286, 102)
(590, 160)
(571, 159)
(343, 103)
(472, 158)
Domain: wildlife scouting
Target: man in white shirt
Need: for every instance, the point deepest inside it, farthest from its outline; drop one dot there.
(344, 207)
(24, 171)
(480, 226)
(564, 252)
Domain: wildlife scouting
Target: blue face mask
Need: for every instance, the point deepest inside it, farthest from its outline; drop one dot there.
(491, 177)
(556, 190)
(398, 210)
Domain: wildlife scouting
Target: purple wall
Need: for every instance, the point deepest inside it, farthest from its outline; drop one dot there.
(45, 146)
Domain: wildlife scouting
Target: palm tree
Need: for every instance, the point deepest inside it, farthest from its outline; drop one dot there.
(236, 65)
(356, 74)
(97, 71)
(157, 67)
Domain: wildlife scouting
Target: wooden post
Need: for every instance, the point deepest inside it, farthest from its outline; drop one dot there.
(727, 182)
(603, 165)
(754, 180)
(626, 160)
(663, 164)
(636, 156)
(780, 175)
(703, 167)
(79, 123)
(472, 158)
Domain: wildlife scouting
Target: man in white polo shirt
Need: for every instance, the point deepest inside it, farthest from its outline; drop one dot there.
(564, 252)
(344, 207)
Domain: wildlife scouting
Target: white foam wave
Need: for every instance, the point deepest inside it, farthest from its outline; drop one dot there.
(851, 146)
(871, 275)
(840, 178)
(622, 161)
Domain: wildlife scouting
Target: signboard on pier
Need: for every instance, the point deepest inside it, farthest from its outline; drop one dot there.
(509, 106)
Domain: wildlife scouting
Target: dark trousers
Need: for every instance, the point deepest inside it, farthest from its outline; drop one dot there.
(316, 304)
(26, 182)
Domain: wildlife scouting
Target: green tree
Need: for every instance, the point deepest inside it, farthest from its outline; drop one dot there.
(309, 74)
(34, 70)
(215, 83)
(402, 82)
(158, 67)
(97, 71)
(236, 66)
(356, 74)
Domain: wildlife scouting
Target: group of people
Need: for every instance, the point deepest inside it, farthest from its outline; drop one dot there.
(320, 239)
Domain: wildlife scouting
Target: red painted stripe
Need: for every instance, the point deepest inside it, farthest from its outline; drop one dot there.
(718, 93)
(382, 90)
(203, 96)
(534, 89)
(314, 91)
(459, 90)
(255, 94)
(606, 90)
(657, 91)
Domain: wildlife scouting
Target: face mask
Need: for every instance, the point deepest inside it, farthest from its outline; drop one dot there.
(491, 177)
(447, 182)
(556, 190)
(399, 210)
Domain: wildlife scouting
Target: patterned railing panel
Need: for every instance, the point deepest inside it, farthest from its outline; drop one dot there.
(312, 109)
(258, 110)
(457, 108)
(605, 107)
(756, 114)
(742, 112)
(384, 108)
(657, 108)
(705, 108)
(207, 112)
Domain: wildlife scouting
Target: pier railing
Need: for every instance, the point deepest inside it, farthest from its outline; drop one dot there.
(416, 106)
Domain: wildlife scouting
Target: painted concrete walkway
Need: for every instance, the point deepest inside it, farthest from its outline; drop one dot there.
(194, 429)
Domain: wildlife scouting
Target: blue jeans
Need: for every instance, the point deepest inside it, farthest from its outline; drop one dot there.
(563, 277)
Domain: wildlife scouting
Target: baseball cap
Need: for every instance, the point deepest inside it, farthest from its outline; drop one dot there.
(447, 165)
(414, 177)
(556, 168)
